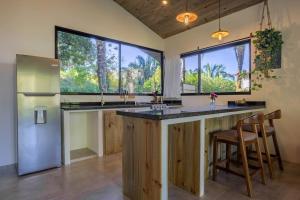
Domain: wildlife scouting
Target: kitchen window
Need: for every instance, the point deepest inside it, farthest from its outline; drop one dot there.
(224, 69)
(140, 70)
(92, 64)
(190, 74)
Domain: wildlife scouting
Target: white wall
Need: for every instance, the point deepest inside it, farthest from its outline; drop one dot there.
(283, 93)
(84, 133)
(27, 27)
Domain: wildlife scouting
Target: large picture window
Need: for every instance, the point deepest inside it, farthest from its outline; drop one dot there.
(92, 64)
(140, 70)
(223, 69)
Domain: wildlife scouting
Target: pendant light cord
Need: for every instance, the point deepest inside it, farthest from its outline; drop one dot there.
(219, 14)
(186, 5)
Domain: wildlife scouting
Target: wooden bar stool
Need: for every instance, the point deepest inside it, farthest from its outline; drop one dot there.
(265, 131)
(240, 138)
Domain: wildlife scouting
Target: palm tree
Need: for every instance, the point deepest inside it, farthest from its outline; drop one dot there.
(145, 68)
(216, 71)
(101, 63)
(239, 53)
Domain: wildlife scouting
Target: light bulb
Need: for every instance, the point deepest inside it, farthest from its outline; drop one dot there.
(164, 2)
(186, 20)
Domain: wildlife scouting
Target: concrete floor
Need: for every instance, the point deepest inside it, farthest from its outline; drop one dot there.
(101, 179)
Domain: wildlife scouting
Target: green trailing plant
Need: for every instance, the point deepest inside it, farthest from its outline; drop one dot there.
(268, 45)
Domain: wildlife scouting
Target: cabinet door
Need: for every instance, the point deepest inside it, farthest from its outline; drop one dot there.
(113, 132)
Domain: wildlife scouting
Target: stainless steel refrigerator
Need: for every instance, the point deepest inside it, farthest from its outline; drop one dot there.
(38, 115)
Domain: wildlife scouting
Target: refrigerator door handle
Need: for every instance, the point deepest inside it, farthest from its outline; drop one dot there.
(31, 94)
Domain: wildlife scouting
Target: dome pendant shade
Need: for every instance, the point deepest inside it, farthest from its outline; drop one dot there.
(186, 17)
(220, 34)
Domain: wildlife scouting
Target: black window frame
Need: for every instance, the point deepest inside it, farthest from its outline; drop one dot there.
(105, 39)
(214, 48)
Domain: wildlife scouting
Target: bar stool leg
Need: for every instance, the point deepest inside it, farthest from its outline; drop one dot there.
(228, 155)
(277, 151)
(238, 155)
(267, 151)
(246, 169)
(215, 157)
(260, 160)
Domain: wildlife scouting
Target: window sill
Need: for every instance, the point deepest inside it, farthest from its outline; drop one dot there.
(218, 93)
(106, 94)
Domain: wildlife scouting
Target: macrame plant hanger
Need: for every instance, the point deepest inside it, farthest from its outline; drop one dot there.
(266, 7)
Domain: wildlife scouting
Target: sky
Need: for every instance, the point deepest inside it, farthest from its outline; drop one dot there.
(223, 56)
(129, 54)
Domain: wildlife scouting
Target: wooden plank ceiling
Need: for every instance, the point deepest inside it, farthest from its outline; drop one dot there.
(162, 19)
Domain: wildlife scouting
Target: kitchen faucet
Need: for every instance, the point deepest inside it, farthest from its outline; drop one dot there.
(125, 96)
(102, 99)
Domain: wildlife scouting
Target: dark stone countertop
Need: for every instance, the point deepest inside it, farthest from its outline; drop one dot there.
(109, 105)
(183, 111)
(97, 106)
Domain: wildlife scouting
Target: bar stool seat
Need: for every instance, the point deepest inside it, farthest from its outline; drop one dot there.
(268, 129)
(232, 135)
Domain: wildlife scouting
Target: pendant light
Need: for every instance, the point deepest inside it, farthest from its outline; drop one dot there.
(220, 34)
(186, 17)
(165, 2)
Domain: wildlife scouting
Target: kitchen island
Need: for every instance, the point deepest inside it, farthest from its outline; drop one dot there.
(172, 146)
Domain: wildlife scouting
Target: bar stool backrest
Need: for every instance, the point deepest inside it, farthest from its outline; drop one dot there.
(253, 121)
(273, 115)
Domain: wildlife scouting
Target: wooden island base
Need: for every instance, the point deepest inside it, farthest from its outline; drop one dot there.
(152, 148)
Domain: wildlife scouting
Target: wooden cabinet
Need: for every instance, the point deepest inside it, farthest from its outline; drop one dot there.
(113, 132)
(184, 155)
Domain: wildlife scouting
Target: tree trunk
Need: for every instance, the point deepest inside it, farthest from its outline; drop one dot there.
(101, 63)
(239, 53)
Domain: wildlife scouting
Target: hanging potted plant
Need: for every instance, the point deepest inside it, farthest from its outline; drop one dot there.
(268, 44)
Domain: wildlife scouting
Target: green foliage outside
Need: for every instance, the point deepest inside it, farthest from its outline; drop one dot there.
(216, 79)
(153, 83)
(191, 78)
(217, 84)
(144, 75)
(90, 66)
(213, 79)
(78, 64)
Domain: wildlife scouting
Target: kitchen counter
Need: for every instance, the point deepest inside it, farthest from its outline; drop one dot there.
(110, 105)
(96, 106)
(183, 111)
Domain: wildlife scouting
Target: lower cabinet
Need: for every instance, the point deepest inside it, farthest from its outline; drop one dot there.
(113, 132)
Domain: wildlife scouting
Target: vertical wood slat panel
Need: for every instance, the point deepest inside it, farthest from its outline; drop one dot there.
(184, 156)
(113, 132)
(142, 159)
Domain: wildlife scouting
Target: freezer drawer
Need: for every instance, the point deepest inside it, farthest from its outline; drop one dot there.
(37, 74)
(39, 132)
